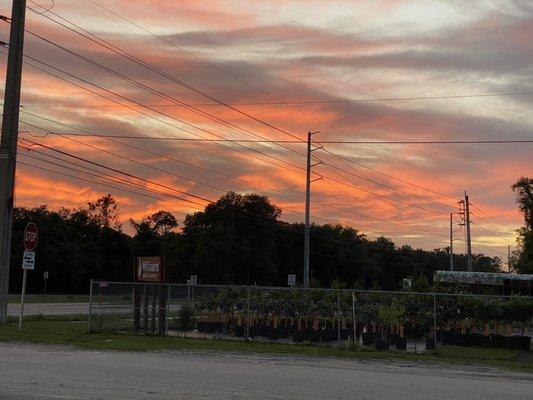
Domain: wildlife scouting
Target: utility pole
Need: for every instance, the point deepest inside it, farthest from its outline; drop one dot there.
(8, 146)
(307, 205)
(468, 237)
(508, 258)
(451, 241)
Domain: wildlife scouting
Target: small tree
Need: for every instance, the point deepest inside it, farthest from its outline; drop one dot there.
(391, 315)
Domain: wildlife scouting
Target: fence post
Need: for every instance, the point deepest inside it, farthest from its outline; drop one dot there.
(354, 324)
(435, 321)
(338, 318)
(168, 309)
(248, 314)
(90, 306)
(145, 308)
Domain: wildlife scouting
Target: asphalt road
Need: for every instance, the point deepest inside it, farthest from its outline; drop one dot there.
(48, 308)
(44, 372)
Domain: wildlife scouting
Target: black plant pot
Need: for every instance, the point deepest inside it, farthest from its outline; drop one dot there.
(496, 341)
(470, 339)
(521, 342)
(393, 337)
(200, 326)
(401, 343)
(508, 342)
(430, 344)
(369, 339)
(297, 337)
(382, 344)
(414, 333)
(447, 338)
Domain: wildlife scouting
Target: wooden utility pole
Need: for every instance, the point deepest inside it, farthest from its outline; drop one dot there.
(8, 146)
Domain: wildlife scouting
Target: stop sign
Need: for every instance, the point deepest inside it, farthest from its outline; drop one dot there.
(30, 236)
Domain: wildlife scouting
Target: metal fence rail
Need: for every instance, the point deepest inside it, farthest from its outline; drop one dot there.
(404, 321)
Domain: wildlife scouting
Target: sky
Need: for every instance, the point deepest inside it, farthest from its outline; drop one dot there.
(273, 71)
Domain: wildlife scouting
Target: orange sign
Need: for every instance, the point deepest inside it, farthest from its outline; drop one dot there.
(149, 269)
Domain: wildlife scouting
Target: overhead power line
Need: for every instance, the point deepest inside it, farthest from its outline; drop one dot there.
(131, 57)
(404, 225)
(278, 99)
(384, 142)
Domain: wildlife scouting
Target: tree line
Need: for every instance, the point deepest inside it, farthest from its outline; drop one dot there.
(239, 239)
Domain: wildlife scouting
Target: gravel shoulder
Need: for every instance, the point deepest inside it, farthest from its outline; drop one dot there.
(39, 371)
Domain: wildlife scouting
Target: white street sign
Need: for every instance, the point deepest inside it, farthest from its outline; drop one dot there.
(45, 275)
(291, 280)
(28, 260)
(194, 280)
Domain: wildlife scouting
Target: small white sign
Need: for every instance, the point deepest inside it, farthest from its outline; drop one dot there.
(194, 280)
(28, 260)
(102, 284)
(291, 280)
(45, 275)
(407, 283)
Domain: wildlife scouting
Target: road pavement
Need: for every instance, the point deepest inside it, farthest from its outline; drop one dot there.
(68, 308)
(33, 372)
(48, 308)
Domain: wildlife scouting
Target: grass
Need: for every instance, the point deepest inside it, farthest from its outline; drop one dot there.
(72, 331)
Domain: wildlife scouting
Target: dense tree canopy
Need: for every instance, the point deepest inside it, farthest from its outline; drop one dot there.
(239, 239)
(523, 260)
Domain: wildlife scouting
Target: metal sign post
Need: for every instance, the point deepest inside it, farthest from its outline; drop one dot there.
(30, 238)
(194, 282)
(45, 277)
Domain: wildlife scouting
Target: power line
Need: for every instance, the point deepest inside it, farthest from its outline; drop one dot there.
(117, 50)
(225, 190)
(239, 79)
(122, 143)
(137, 162)
(114, 72)
(282, 244)
(297, 167)
(131, 57)
(129, 79)
(121, 181)
(502, 224)
(362, 142)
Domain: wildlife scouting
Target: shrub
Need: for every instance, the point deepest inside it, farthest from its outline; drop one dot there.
(186, 320)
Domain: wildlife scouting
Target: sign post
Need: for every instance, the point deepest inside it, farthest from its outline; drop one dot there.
(45, 277)
(149, 270)
(30, 237)
(193, 281)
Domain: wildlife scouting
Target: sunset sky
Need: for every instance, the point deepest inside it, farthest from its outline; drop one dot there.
(353, 70)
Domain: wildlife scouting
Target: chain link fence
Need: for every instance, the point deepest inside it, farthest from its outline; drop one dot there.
(405, 321)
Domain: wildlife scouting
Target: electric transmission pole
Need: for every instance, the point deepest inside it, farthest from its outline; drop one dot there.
(451, 241)
(307, 206)
(468, 237)
(8, 146)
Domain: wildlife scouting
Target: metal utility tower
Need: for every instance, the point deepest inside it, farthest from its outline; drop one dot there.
(8, 146)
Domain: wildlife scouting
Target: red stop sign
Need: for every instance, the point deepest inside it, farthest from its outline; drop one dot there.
(30, 236)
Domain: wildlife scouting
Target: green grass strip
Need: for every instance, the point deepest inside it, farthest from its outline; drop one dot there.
(72, 331)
